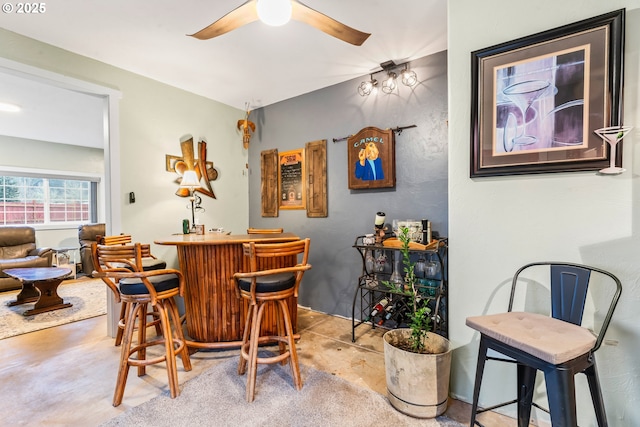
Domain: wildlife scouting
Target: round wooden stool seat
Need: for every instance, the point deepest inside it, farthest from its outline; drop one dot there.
(266, 284)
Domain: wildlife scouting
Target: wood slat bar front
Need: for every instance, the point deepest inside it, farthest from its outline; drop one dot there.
(215, 315)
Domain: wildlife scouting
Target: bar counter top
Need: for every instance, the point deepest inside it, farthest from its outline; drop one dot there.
(214, 238)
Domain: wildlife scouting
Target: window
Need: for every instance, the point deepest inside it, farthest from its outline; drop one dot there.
(46, 200)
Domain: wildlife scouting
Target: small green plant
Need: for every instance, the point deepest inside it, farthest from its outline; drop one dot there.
(420, 316)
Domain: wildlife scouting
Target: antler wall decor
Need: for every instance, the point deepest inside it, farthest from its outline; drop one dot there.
(204, 169)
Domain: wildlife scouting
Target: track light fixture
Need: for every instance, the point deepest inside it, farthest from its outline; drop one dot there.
(407, 76)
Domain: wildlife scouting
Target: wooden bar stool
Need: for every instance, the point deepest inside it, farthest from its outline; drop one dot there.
(116, 265)
(271, 285)
(264, 230)
(149, 262)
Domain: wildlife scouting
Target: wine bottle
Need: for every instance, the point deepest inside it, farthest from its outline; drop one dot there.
(389, 310)
(378, 307)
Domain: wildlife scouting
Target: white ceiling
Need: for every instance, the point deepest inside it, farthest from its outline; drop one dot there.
(254, 64)
(50, 113)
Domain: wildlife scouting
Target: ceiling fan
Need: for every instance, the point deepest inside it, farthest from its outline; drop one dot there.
(267, 11)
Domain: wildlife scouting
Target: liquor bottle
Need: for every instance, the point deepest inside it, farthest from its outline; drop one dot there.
(379, 307)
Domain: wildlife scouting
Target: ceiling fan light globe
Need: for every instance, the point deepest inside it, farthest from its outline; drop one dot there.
(274, 12)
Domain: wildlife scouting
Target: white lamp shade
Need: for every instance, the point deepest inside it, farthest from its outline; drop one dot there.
(190, 179)
(274, 12)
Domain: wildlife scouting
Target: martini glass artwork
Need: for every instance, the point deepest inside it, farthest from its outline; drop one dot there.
(523, 94)
(612, 135)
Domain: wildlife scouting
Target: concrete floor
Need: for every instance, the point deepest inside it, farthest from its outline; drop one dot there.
(65, 376)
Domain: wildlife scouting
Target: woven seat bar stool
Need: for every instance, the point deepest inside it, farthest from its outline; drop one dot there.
(264, 230)
(273, 285)
(116, 266)
(557, 345)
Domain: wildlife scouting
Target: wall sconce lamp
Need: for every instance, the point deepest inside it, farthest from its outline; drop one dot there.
(190, 180)
(408, 78)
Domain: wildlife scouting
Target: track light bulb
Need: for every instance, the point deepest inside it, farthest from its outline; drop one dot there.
(409, 77)
(274, 12)
(389, 85)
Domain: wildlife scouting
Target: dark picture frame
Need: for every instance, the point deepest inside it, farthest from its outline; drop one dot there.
(371, 155)
(537, 100)
(291, 180)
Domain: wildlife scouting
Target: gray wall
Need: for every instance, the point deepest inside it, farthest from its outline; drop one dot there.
(338, 111)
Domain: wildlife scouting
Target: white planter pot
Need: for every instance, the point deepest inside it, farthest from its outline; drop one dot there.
(417, 384)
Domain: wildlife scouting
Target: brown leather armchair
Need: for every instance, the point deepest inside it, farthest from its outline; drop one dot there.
(18, 250)
(88, 234)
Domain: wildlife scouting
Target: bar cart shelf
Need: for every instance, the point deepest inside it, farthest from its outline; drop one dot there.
(381, 305)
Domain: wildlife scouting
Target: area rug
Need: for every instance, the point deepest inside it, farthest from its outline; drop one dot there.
(217, 398)
(88, 296)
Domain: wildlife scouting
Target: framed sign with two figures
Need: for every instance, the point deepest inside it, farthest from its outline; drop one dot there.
(537, 100)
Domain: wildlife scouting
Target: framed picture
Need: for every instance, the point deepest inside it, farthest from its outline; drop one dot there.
(291, 184)
(537, 100)
(372, 159)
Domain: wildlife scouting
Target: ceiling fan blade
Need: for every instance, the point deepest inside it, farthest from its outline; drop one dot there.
(242, 15)
(322, 22)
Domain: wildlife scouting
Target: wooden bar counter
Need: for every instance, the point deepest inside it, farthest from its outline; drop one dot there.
(215, 315)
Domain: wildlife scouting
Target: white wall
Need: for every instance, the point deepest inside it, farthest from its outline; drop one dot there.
(499, 224)
(153, 116)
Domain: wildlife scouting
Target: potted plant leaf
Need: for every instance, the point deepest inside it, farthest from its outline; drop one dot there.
(417, 361)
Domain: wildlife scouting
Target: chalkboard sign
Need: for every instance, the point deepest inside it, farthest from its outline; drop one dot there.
(291, 185)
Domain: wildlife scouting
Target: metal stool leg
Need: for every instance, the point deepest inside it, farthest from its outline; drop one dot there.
(526, 385)
(561, 393)
(596, 395)
(482, 358)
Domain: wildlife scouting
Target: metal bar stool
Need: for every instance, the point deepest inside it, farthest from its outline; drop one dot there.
(558, 345)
